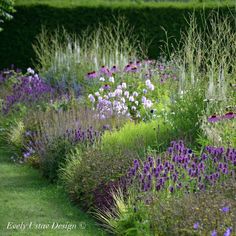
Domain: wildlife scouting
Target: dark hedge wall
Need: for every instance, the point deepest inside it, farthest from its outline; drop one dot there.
(19, 34)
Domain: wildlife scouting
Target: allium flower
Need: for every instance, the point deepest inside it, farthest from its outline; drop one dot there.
(126, 94)
(111, 95)
(111, 79)
(118, 92)
(91, 98)
(148, 104)
(122, 100)
(151, 87)
(148, 82)
(30, 71)
(131, 99)
(124, 85)
(144, 99)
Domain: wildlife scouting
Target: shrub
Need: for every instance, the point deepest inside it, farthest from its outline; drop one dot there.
(54, 157)
(137, 138)
(93, 173)
(182, 194)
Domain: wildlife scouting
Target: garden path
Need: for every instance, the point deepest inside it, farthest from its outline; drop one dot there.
(27, 200)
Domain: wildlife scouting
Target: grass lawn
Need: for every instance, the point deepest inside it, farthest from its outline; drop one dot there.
(28, 200)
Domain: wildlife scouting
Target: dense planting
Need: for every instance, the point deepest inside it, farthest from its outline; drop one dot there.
(99, 119)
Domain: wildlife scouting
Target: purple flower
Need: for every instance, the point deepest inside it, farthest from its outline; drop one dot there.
(225, 209)
(229, 115)
(214, 233)
(196, 225)
(227, 232)
(91, 75)
(106, 87)
(213, 118)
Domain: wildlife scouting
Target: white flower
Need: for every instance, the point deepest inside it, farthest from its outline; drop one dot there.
(105, 96)
(147, 103)
(30, 71)
(123, 100)
(118, 92)
(124, 85)
(97, 94)
(91, 98)
(136, 103)
(144, 99)
(126, 94)
(101, 90)
(111, 79)
(111, 95)
(133, 108)
(102, 117)
(151, 87)
(148, 82)
(99, 98)
(135, 94)
(102, 79)
(119, 87)
(144, 91)
(131, 99)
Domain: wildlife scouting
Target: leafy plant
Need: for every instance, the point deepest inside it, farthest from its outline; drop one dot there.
(6, 8)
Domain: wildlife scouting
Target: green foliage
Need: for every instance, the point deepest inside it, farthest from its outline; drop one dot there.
(76, 19)
(54, 157)
(126, 217)
(185, 113)
(6, 8)
(177, 216)
(137, 138)
(86, 171)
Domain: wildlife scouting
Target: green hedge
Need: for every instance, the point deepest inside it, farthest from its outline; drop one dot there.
(19, 34)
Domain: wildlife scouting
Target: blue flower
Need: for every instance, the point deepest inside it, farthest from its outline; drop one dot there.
(196, 225)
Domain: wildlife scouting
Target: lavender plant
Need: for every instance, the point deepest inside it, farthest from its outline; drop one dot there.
(180, 171)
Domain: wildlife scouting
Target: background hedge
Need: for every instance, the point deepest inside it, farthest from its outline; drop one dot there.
(19, 34)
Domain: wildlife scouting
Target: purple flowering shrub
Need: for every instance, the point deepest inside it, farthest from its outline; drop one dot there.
(180, 171)
(132, 91)
(25, 89)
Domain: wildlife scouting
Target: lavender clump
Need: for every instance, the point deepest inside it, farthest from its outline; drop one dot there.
(179, 169)
(28, 89)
